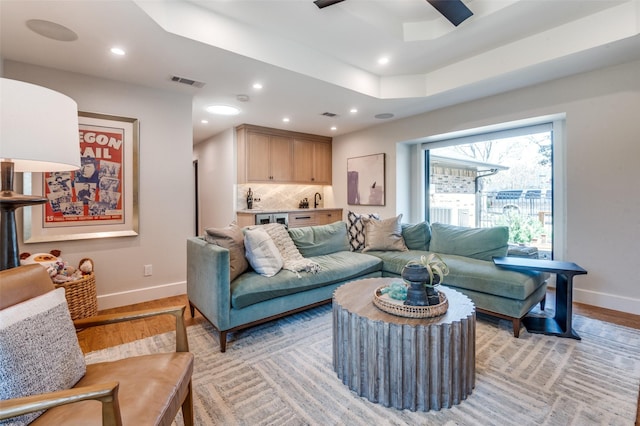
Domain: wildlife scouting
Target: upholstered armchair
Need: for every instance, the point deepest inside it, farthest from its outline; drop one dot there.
(43, 376)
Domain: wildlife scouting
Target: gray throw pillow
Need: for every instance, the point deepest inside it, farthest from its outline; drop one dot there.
(39, 349)
(478, 243)
(232, 239)
(355, 228)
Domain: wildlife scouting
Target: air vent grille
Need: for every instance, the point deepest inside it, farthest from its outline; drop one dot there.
(329, 114)
(188, 81)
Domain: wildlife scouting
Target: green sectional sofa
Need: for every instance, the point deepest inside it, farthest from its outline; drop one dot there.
(251, 298)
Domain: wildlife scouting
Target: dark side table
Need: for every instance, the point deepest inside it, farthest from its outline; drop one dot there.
(560, 324)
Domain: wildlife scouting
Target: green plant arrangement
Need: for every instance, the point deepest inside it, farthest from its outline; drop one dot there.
(522, 228)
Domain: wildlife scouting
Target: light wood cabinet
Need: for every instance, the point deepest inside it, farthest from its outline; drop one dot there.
(280, 156)
(269, 158)
(312, 161)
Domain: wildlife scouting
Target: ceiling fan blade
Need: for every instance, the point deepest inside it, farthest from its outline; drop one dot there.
(325, 3)
(454, 10)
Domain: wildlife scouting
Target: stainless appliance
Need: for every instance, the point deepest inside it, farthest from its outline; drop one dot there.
(262, 218)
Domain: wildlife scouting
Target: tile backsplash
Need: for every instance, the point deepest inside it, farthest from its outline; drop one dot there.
(277, 197)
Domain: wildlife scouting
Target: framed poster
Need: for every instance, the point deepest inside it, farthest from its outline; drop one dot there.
(365, 180)
(101, 198)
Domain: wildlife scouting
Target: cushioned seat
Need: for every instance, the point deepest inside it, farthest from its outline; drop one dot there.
(250, 287)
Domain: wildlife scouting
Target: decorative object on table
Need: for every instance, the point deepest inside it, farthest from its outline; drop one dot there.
(423, 276)
(38, 132)
(249, 199)
(101, 198)
(384, 301)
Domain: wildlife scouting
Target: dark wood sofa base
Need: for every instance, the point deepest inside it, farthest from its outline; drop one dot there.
(223, 333)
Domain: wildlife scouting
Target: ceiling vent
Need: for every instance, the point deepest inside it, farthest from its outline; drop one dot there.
(188, 81)
(329, 114)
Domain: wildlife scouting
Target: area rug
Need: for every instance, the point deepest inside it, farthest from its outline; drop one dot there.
(281, 373)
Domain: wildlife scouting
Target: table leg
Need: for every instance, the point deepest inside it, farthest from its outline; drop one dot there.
(561, 324)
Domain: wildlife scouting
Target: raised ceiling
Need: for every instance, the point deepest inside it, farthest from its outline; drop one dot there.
(311, 61)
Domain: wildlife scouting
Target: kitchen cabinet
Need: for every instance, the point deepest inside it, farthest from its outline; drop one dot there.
(297, 218)
(269, 158)
(312, 161)
(269, 155)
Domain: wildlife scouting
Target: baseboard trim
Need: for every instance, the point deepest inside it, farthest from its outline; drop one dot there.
(124, 298)
(607, 301)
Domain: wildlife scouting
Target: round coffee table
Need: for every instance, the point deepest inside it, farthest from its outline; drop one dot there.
(417, 364)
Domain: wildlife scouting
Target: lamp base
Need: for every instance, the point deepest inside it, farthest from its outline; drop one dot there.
(9, 202)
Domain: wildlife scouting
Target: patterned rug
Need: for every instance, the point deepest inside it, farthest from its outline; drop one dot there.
(281, 373)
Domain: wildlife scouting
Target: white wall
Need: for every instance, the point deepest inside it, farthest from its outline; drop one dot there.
(217, 172)
(166, 212)
(602, 156)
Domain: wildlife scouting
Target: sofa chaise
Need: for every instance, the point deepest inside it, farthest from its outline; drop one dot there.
(232, 298)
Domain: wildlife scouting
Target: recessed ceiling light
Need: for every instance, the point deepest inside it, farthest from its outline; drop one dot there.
(334, 128)
(204, 121)
(51, 30)
(286, 119)
(117, 51)
(223, 110)
(353, 110)
(384, 116)
(383, 60)
(257, 86)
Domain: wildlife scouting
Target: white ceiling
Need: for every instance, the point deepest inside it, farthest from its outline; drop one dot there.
(312, 60)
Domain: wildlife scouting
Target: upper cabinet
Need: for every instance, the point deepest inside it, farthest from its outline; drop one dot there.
(312, 161)
(280, 156)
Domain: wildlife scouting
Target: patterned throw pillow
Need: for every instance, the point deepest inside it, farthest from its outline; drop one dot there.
(40, 351)
(355, 228)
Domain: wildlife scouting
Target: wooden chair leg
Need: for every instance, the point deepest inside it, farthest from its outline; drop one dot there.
(516, 327)
(223, 341)
(187, 408)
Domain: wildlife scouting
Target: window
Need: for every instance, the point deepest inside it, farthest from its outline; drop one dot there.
(495, 178)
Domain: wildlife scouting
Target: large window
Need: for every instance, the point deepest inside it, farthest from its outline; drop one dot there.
(497, 178)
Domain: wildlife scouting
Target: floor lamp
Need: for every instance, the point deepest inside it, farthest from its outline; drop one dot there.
(38, 133)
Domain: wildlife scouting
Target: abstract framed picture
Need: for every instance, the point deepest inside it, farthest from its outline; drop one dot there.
(365, 180)
(100, 199)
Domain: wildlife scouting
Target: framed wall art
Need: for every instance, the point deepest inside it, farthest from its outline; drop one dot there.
(365, 180)
(101, 198)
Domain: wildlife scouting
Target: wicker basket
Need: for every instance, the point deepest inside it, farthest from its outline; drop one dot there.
(81, 294)
(397, 307)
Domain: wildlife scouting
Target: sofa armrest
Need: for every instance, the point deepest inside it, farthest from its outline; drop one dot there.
(106, 393)
(182, 344)
(208, 285)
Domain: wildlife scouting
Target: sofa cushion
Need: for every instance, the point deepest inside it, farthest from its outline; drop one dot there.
(262, 253)
(321, 239)
(40, 351)
(478, 243)
(355, 228)
(291, 257)
(250, 288)
(232, 239)
(468, 273)
(417, 236)
(383, 234)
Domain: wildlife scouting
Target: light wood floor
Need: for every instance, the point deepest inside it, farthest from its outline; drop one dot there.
(102, 337)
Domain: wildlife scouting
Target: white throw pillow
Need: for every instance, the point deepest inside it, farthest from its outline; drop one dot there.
(262, 253)
(40, 351)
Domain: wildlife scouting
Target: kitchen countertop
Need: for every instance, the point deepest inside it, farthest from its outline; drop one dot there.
(259, 211)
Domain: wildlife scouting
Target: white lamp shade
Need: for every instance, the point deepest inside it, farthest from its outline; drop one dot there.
(38, 128)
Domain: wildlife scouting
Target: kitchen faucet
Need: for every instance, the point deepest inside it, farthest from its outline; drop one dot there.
(316, 197)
